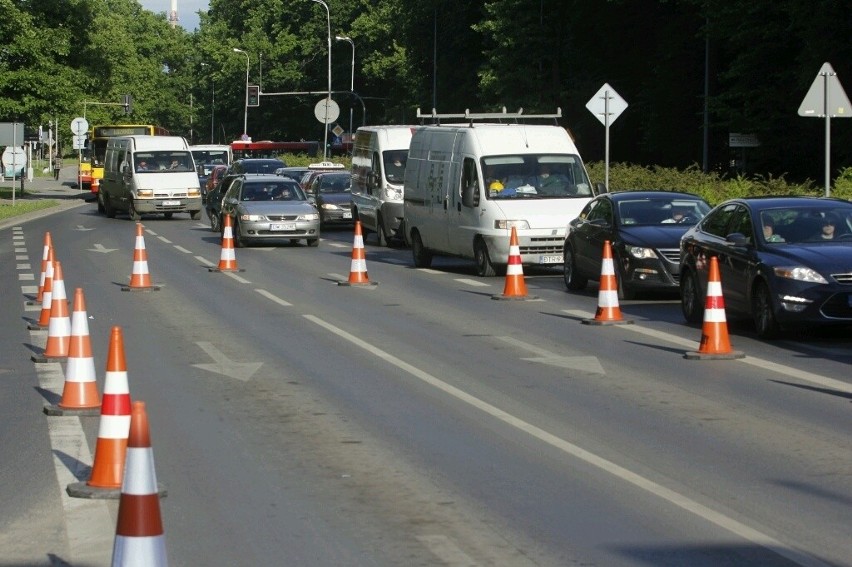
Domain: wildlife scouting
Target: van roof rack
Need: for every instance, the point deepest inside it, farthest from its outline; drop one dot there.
(470, 117)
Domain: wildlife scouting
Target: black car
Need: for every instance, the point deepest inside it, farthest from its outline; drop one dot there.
(262, 166)
(644, 229)
(332, 194)
(213, 203)
(783, 262)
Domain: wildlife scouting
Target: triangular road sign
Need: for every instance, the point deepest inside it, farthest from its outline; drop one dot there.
(816, 104)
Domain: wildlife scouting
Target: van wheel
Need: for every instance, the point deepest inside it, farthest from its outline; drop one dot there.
(101, 208)
(108, 208)
(484, 267)
(381, 236)
(422, 257)
(134, 214)
(168, 215)
(195, 215)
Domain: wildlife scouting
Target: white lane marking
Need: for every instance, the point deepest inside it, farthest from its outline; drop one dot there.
(738, 528)
(29, 289)
(446, 550)
(474, 283)
(164, 239)
(236, 277)
(182, 249)
(429, 271)
(333, 244)
(274, 298)
(23, 267)
(25, 277)
(151, 232)
(89, 526)
(21, 257)
(791, 372)
(204, 261)
(586, 363)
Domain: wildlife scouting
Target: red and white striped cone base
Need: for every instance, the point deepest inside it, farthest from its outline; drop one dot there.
(608, 312)
(45, 257)
(140, 278)
(228, 256)
(715, 344)
(59, 329)
(46, 298)
(139, 535)
(515, 286)
(358, 266)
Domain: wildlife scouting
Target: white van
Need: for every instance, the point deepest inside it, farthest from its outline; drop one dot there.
(378, 167)
(149, 174)
(207, 156)
(466, 186)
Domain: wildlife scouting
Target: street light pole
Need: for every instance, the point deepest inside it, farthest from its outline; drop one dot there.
(325, 125)
(245, 119)
(352, 81)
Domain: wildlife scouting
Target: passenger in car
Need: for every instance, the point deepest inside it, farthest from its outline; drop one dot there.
(769, 234)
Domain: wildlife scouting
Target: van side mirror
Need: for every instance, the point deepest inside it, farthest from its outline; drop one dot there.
(470, 195)
(372, 179)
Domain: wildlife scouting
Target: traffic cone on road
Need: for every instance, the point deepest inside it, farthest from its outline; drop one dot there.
(358, 266)
(139, 534)
(80, 394)
(59, 329)
(108, 468)
(715, 344)
(608, 313)
(140, 279)
(46, 296)
(515, 287)
(48, 245)
(227, 259)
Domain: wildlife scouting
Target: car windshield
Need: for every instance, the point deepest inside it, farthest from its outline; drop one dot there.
(271, 191)
(537, 176)
(334, 183)
(180, 161)
(674, 210)
(261, 166)
(806, 224)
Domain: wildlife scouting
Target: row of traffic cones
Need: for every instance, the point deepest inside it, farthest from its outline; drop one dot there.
(123, 466)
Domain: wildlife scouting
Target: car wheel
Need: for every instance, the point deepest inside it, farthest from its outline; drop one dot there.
(422, 257)
(238, 241)
(625, 292)
(573, 280)
(690, 298)
(484, 267)
(313, 242)
(764, 316)
(134, 214)
(381, 235)
(108, 208)
(215, 223)
(168, 215)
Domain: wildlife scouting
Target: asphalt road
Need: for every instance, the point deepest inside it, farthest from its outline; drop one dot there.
(416, 422)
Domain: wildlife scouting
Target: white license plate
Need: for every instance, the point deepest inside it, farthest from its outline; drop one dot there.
(171, 203)
(347, 215)
(550, 259)
(285, 226)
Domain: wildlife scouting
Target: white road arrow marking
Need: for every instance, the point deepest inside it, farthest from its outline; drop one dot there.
(221, 364)
(81, 227)
(100, 248)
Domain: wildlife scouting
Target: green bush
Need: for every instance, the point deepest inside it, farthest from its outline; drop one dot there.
(712, 187)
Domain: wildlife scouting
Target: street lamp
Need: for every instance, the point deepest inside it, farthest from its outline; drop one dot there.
(245, 119)
(352, 81)
(325, 140)
(212, 102)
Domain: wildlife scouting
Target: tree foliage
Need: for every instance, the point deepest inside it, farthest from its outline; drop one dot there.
(756, 61)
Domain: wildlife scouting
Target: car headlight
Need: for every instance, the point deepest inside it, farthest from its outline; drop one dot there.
(145, 193)
(309, 217)
(507, 224)
(799, 273)
(641, 252)
(330, 206)
(252, 218)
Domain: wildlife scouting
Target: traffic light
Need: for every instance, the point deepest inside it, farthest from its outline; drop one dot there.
(253, 96)
(127, 101)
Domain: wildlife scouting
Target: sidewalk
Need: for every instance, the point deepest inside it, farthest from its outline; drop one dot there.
(64, 191)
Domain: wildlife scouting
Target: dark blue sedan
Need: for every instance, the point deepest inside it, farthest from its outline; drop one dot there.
(644, 229)
(783, 261)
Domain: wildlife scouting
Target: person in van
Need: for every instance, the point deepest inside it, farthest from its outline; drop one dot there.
(551, 182)
(142, 165)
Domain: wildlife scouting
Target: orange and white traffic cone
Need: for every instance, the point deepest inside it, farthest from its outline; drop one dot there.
(515, 287)
(228, 258)
(80, 394)
(139, 535)
(608, 313)
(59, 330)
(46, 297)
(715, 344)
(108, 468)
(140, 279)
(48, 245)
(358, 266)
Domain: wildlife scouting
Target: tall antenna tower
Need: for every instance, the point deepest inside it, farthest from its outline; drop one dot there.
(173, 17)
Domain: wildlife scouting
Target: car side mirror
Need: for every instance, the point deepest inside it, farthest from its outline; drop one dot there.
(600, 188)
(738, 239)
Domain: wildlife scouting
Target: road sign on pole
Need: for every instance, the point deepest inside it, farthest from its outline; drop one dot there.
(79, 126)
(606, 105)
(826, 99)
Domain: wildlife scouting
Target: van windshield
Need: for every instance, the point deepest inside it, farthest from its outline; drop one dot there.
(535, 176)
(167, 161)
